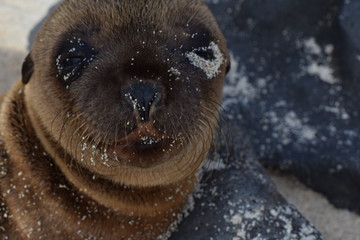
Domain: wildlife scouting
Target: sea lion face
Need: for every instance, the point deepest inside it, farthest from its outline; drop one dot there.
(130, 91)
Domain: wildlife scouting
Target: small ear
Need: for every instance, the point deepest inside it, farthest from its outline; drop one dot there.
(27, 69)
(228, 67)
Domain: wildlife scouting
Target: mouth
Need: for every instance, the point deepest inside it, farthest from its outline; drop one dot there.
(144, 140)
(148, 141)
(143, 151)
(145, 145)
(145, 134)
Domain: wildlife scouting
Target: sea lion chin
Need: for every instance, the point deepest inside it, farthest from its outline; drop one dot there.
(118, 102)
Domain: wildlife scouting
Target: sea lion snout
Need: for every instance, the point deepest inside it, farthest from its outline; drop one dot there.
(144, 97)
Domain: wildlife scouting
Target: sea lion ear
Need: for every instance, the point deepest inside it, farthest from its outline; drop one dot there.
(228, 67)
(27, 69)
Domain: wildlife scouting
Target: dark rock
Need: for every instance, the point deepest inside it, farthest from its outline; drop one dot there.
(350, 22)
(298, 105)
(240, 201)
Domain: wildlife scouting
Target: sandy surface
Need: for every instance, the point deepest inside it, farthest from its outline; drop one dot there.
(17, 17)
(334, 223)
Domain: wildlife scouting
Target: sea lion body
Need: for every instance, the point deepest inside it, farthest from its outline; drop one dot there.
(115, 114)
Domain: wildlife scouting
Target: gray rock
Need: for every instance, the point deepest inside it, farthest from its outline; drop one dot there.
(350, 22)
(299, 105)
(239, 201)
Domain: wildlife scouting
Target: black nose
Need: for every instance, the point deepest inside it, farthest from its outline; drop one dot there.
(142, 97)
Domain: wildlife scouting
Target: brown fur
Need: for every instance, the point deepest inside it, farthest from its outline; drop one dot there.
(53, 184)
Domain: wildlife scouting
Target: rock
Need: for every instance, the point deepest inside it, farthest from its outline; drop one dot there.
(238, 201)
(299, 109)
(350, 22)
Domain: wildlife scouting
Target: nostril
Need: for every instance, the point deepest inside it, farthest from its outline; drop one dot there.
(142, 96)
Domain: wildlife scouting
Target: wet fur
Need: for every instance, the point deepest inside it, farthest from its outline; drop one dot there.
(47, 191)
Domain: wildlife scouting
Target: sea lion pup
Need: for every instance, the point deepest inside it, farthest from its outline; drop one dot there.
(115, 113)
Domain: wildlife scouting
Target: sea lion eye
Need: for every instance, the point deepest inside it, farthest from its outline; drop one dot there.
(209, 59)
(72, 62)
(206, 53)
(74, 57)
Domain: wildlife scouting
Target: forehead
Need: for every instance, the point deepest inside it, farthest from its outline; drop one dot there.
(132, 14)
(111, 22)
(118, 20)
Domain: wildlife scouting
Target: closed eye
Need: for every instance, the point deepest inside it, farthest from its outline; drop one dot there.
(207, 54)
(72, 62)
(74, 57)
(209, 59)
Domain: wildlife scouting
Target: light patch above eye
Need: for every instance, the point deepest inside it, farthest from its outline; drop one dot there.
(211, 67)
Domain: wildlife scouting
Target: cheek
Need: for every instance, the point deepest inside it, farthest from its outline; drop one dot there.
(105, 115)
(178, 117)
(44, 93)
(212, 89)
(49, 104)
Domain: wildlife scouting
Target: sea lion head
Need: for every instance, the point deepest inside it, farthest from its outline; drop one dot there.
(128, 90)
